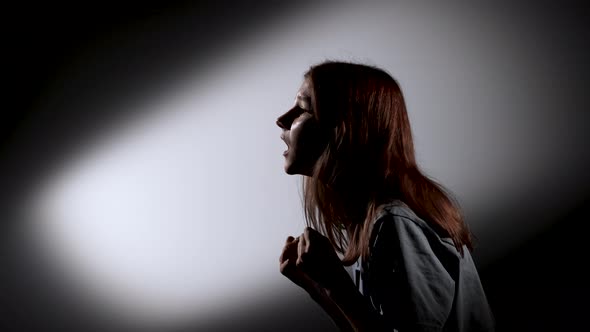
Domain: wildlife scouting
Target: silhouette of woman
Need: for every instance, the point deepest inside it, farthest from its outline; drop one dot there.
(367, 204)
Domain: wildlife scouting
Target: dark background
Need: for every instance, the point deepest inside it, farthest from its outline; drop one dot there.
(540, 285)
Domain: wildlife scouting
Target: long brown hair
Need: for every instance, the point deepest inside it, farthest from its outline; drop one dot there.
(369, 160)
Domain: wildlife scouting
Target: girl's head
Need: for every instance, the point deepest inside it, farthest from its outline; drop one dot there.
(349, 123)
(350, 135)
(363, 110)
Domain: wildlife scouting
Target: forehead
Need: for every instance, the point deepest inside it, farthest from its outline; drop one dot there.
(305, 90)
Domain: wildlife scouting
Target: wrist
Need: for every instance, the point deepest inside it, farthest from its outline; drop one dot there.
(342, 288)
(355, 306)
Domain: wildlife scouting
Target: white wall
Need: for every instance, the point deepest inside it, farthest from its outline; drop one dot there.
(182, 213)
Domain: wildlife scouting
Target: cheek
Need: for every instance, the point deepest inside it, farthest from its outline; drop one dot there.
(295, 133)
(306, 134)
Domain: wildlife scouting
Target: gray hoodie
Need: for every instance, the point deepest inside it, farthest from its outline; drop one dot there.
(417, 280)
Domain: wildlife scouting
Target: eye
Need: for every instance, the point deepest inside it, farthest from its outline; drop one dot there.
(305, 108)
(304, 112)
(304, 103)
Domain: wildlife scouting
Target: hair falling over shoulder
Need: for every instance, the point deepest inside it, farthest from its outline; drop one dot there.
(369, 160)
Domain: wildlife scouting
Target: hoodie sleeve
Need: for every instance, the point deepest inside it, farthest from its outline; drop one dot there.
(410, 286)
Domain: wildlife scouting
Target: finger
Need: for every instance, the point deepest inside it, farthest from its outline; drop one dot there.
(289, 250)
(289, 269)
(284, 267)
(290, 239)
(307, 238)
(300, 250)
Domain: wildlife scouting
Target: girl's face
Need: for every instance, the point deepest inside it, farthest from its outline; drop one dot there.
(301, 134)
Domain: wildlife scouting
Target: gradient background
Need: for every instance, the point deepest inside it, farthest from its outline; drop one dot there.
(141, 169)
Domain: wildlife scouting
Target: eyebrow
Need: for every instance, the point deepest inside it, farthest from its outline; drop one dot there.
(304, 101)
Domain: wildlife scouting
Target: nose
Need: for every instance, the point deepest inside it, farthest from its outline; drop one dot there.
(285, 120)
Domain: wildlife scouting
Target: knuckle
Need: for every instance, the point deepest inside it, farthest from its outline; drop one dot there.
(284, 268)
(303, 255)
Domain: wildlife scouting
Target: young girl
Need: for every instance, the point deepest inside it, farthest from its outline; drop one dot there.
(365, 198)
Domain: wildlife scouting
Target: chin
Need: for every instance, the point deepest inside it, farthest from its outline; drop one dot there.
(290, 170)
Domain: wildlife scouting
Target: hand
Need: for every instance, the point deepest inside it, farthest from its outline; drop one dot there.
(289, 268)
(317, 259)
(311, 262)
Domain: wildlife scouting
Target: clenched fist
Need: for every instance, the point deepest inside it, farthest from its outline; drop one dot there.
(311, 262)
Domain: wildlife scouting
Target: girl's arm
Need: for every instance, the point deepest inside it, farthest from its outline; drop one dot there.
(334, 290)
(359, 313)
(322, 298)
(290, 270)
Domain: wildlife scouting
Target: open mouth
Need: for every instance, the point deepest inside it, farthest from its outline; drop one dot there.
(286, 151)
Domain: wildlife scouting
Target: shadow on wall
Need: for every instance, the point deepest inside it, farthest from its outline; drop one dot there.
(78, 71)
(542, 285)
(537, 286)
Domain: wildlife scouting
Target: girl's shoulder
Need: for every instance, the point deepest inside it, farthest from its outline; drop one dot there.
(397, 217)
(400, 212)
